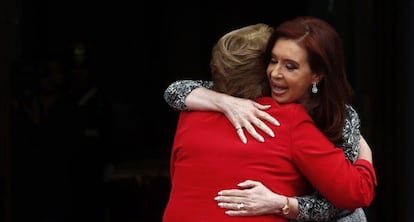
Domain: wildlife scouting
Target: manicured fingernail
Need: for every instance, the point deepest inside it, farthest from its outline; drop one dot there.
(220, 193)
(272, 134)
(220, 204)
(261, 139)
(277, 123)
(217, 198)
(244, 141)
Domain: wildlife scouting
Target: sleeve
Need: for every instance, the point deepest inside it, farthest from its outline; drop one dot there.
(315, 207)
(177, 91)
(344, 184)
(351, 134)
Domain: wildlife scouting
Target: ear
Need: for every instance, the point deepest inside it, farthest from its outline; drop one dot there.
(316, 78)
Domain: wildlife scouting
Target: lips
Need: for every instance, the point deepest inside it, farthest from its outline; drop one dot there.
(279, 89)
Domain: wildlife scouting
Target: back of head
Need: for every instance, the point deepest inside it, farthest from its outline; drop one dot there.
(237, 63)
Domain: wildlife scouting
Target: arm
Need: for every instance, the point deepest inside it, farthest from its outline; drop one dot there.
(176, 93)
(316, 207)
(365, 151)
(307, 208)
(355, 187)
(196, 95)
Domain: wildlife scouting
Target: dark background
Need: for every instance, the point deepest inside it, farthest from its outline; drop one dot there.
(107, 159)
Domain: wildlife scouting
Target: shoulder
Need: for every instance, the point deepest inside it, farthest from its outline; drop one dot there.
(351, 113)
(286, 111)
(284, 106)
(266, 100)
(297, 111)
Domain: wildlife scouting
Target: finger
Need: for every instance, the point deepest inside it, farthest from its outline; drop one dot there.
(231, 193)
(239, 213)
(247, 124)
(252, 131)
(263, 127)
(260, 106)
(229, 200)
(266, 116)
(231, 206)
(241, 135)
(234, 119)
(248, 184)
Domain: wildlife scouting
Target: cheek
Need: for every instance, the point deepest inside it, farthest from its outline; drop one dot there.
(300, 88)
(268, 72)
(303, 92)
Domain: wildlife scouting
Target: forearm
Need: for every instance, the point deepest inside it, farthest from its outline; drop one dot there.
(176, 93)
(314, 208)
(364, 150)
(203, 99)
(186, 95)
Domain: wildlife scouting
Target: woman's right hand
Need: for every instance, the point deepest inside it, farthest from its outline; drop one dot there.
(242, 113)
(246, 114)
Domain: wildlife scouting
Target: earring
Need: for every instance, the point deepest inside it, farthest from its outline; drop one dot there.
(314, 88)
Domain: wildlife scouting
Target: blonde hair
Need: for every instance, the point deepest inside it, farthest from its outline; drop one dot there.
(237, 63)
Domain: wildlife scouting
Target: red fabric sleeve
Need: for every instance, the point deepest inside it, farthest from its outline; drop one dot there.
(345, 185)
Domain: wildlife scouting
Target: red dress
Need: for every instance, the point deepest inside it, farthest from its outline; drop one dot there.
(207, 157)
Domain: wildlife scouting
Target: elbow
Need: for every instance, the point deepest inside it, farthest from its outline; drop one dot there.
(352, 204)
(361, 192)
(356, 197)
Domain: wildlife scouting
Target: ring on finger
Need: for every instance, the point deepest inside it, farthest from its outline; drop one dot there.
(238, 128)
(240, 205)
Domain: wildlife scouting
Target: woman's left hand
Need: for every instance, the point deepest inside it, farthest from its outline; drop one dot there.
(253, 199)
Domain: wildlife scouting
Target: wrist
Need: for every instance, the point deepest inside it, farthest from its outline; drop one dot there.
(221, 102)
(285, 209)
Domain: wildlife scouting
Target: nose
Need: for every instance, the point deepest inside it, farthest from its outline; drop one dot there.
(276, 72)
